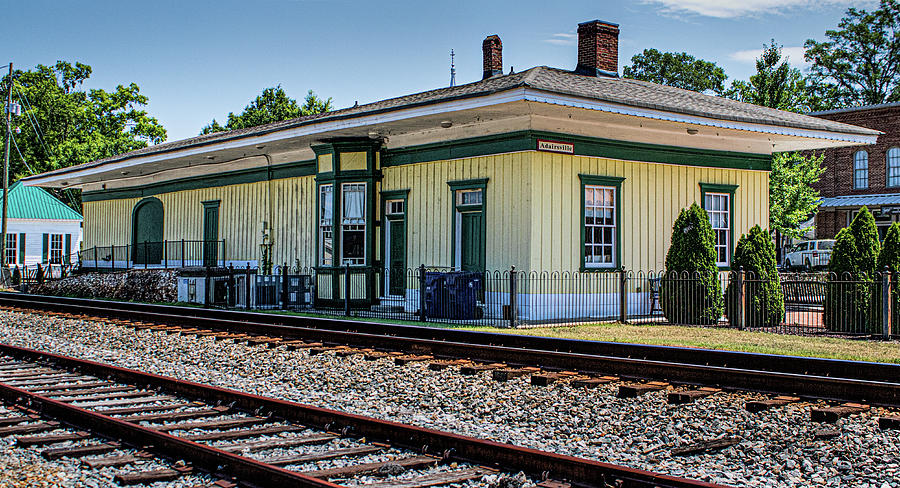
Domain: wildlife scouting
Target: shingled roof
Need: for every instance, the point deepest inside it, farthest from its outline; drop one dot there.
(627, 92)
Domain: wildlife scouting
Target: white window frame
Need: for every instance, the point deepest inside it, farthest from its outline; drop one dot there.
(591, 260)
(56, 248)
(892, 172)
(860, 170)
(719, 230)
(354, 226)
(326, 228)
(12, 249)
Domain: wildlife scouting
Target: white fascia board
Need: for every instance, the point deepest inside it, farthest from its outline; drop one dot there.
(305, 130)
(533, 95)
(514, 95)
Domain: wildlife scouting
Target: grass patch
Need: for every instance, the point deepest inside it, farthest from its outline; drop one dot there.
(726, 339)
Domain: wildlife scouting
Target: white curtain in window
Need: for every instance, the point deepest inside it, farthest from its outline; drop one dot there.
(354, 204)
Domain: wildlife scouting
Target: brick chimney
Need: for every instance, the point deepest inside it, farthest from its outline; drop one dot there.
(492, 49)
(598, 48)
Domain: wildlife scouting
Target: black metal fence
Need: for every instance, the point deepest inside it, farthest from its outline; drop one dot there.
(161, 254)
(808, 303)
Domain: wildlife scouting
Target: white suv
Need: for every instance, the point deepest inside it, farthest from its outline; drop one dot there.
(809, 255)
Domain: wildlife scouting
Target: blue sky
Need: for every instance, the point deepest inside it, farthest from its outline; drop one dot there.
(200, 60)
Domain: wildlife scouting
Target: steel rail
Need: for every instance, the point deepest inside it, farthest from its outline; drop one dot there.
(454, 447)
(178, 315)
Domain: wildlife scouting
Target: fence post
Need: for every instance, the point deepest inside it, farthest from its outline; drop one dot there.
(146, 255)
(422, 317)
(886, 314)
(513, 297)
(223, 252)
(623, 296)
(284, 287)
(248, 287)
(96, 261)
(346, 290)
(232, 299)
(165, 254)
(112, 256)
(182, 253)
(741, 287)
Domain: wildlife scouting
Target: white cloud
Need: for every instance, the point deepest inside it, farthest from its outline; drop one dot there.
(562, 39)
(793, 53)
(729, 9)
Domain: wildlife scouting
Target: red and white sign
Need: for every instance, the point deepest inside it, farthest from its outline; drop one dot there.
(555, 146)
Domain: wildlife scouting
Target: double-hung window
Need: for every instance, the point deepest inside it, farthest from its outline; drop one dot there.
(600, 221)
(326, 228)
(56, 248)
(893, 166)
(11, 249)
(353, 224)
(718, 206)
(861, 170)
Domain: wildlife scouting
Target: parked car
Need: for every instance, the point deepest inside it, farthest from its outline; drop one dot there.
(809, 255)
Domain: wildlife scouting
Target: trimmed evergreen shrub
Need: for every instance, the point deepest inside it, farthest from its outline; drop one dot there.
(849, 303)
(690, 292)
(764, 299)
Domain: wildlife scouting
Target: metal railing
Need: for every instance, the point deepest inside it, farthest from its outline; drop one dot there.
(161, 254)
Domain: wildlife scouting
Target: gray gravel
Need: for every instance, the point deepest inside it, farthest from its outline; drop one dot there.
(777, 448)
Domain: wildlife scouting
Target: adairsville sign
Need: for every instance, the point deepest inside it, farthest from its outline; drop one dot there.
(555, 146)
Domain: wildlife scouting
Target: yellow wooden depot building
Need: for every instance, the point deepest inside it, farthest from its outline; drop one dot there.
(545, 170)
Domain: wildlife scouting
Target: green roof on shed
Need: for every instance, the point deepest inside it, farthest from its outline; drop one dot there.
(32, 202)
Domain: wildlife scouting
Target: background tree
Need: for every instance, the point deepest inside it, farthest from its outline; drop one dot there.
(272, 105)
(860, 61)
(889, 259)
(680, 70)
(776, 84)
(764, 302)
(792, 198)
(690, 292)
(64, 125)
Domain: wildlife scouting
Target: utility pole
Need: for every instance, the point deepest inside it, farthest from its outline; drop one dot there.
(9, 85)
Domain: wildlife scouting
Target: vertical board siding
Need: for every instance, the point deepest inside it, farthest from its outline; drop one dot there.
(430, 207)
(242, 211)
(652, 196)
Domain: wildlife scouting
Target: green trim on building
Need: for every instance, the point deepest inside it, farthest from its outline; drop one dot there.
(461, 148)
(615, 182)
(730, 190)
(254, 175)
(394, 195)
(583, 146)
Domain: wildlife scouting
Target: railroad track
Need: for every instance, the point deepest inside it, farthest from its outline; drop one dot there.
(653, 367)
(126, 419)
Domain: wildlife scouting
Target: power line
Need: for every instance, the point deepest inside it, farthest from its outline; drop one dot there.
(35, 124)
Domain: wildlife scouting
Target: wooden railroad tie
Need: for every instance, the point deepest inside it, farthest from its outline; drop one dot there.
(544, 379)
(43, 440)
(755, 406)
(115, 461)
(295, 345)
(313, 351)
(638, 389)
(79, 451)
(688, 396)
(411, 358)
(832, 414)
(415, 462)
(594, 382)
(152, 476)
(506, 374)
(470, 369)
(443, 364)
(889, 422)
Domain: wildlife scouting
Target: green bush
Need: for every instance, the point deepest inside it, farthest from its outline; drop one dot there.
(764, 298)
(849, 304)
(690, 292)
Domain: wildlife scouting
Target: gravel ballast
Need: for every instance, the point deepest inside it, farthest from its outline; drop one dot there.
(778, 447)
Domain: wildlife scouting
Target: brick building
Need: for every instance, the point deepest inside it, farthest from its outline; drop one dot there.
(861, 175)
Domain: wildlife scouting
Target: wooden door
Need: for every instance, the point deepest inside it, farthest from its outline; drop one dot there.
(472, 242)
(210, 235)
(397, 258)
(147, 232)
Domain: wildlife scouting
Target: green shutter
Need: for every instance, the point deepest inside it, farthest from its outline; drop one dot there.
(22, 248)
(68, 249)
(45, 248)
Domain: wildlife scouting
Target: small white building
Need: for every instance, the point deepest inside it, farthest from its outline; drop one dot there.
(40, 228)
